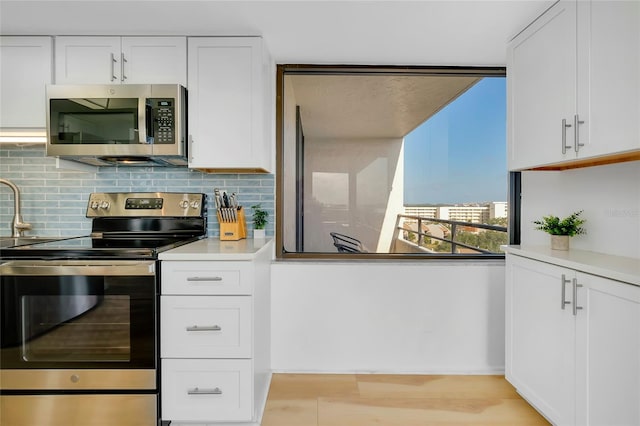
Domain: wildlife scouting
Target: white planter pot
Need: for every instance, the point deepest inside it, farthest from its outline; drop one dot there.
(258, 234)
(560, 242)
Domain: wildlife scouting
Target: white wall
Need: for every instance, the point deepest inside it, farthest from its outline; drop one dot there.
(361, 195)
(384, 317)
(609, 196)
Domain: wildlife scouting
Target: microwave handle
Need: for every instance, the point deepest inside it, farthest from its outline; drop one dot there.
(148, 114)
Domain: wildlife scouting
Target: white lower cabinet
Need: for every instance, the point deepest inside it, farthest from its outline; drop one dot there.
(573, 343)
(608, 362)
(214, 316)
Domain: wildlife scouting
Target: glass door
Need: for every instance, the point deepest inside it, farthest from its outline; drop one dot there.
(72, 316)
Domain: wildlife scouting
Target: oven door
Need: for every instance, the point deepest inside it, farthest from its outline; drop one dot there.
(78, 325)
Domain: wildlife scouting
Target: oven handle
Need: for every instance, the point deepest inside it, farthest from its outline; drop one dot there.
(78, 267)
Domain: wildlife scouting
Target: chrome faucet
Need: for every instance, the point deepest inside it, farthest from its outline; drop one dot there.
(18, 226)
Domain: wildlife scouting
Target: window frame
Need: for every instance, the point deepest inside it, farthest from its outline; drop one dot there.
(513, 190)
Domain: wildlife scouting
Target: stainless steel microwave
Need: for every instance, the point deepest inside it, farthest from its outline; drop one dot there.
(128, 124)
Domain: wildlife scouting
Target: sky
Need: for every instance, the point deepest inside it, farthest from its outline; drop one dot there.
(459, 154)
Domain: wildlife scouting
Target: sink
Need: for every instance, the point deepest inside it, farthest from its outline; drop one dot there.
(23, 241)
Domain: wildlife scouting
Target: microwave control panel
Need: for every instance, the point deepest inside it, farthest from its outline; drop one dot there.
(163, 121)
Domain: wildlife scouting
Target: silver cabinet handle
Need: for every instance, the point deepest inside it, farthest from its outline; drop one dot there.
(564, 135)
(576, 132)
(200, 279)
(123, 77)
(563, 298)
(190, 147)
(198, 391)
(113, 71)
(204, 328)
(576, 308)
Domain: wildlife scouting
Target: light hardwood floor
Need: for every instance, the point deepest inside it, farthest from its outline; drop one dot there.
(395, 400)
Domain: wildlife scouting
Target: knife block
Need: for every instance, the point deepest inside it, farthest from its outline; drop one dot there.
(233, 231)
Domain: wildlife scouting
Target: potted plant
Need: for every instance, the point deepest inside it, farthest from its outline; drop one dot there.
(259, 221)
(561, 229)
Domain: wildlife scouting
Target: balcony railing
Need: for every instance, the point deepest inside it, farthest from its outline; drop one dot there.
(441, 236)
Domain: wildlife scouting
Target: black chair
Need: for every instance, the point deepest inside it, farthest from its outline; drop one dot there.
(346, 244)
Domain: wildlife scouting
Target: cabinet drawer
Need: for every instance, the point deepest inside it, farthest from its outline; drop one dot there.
(206, 390)
(201, 277)
(205, 327)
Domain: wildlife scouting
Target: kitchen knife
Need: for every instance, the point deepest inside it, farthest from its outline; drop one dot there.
(216, 193)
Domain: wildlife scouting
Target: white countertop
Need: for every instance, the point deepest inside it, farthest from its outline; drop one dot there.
(214, 249)
(625, 269)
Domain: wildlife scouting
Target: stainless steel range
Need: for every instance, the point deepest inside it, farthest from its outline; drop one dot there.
(79, 322)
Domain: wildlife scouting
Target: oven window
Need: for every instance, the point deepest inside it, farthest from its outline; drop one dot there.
(78, 321)
(70, 328)
(94, 121)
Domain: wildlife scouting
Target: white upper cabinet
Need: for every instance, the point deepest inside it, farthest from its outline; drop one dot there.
(121, 60)
(25, 70)
(608, 76)
(541, 79)
(227, 104)
(154, 60)
(574, 84)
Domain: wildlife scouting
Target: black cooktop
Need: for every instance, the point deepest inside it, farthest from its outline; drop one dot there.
(97, 248)
(127, 225)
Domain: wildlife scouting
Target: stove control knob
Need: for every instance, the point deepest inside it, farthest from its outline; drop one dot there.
(184, 204)
(104, 205)
(95, 205)
(195, 204)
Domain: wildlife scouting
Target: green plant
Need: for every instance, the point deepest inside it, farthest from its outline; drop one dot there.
(570, 225)
(259, 217)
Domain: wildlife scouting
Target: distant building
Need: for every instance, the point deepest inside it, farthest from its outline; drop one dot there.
(473, 213)
(422, 211)
(498, 209)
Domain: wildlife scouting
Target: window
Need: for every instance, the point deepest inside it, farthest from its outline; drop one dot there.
(388, 162)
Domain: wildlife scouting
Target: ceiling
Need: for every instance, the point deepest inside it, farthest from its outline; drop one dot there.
(417, 32)
(371, 107)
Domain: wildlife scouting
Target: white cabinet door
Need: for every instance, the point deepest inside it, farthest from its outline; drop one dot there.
(87, 60)
(25, 70)
(226, 94)
(608, 352)
(608, 76)
(154, 60)
(542, 89)
(540, 348)
(121, 60)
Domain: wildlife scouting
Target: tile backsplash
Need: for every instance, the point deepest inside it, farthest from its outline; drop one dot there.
(54, 200)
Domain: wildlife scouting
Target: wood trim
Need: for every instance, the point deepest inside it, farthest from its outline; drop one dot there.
(256, 170)
(591, 162)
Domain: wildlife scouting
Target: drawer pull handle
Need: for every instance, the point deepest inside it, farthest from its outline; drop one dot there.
(201, 279)
(198, 391)
(204, 328)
